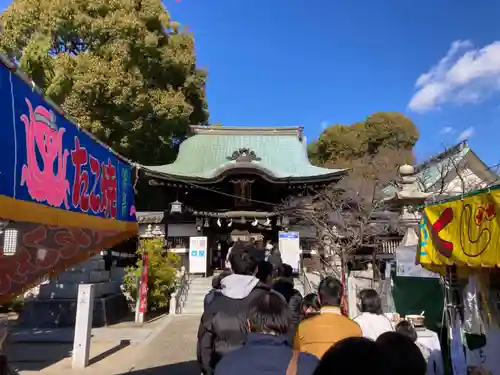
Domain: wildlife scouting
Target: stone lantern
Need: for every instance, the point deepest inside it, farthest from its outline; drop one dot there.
(406, 200)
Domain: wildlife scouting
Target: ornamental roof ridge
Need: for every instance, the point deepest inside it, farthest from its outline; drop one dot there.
(248, 130)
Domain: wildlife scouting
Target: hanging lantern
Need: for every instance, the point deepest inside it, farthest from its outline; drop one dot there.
(10, 240)
(176, 207)
(199, 224)
(206, 224)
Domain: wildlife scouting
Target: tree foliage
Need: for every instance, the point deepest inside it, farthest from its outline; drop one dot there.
(383, 138)
(162, 274)
(122, 69)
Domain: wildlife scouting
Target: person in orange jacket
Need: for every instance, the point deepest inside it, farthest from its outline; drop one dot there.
(317, 334)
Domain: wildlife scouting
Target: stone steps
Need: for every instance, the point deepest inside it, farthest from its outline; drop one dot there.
(56, 301)
(198, 289)
(200, 286)
(70, 291)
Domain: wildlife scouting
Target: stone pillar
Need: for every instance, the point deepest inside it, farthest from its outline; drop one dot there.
(55, 305)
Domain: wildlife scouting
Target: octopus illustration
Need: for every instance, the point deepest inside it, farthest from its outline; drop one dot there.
(43, 136)
(471, 222)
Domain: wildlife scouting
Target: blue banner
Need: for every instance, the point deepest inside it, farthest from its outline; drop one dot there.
(48, 160)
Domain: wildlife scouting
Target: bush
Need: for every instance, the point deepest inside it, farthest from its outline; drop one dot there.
(15, 305)
(162, 274)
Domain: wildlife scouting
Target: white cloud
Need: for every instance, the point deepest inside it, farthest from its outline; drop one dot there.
(466, 134)
(465, 75)
(324, 124)
(446, 130)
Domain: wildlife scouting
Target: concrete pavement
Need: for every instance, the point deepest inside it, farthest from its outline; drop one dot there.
(170, 347)
(172, 351)
(113, 350)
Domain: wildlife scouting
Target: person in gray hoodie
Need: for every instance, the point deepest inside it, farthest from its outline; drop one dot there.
(223, 325)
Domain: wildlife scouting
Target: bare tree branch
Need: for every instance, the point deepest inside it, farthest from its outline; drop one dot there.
(454, 175)
(345, 216)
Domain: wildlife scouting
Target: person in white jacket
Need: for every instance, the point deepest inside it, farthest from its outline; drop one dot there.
(372, 320)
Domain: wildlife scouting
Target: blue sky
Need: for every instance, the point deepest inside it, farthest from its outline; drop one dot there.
(312, 62)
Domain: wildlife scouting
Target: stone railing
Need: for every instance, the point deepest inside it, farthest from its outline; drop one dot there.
(179, 296)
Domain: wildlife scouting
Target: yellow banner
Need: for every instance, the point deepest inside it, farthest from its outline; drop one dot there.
(465, 232)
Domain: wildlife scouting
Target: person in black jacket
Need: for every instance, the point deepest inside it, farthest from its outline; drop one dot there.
(223, 325)
(216, 287)
(267, 350)
(275, 259)
(284, 285)
(265, 272)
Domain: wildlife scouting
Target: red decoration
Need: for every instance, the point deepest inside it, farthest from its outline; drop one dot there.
(103, 174)
(95, 199)
(108, 189)
(81, 182)
(143, 295)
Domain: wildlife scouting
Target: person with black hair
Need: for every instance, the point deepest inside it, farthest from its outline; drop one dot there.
(285, 286)
(265, 272)
(405, 328)
(353, 356)
(400, 355)
(433, 358)
(318, 333)
(267, 350)
(310, 306)
(275, 259)
(216, 287)
(372, 320)
(222, 326)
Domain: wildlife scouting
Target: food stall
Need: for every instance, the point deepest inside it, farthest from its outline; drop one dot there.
(64, 195)
(460, 238)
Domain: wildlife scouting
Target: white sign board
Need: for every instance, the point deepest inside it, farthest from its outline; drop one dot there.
(405, 264)
(289, 247)
(198, 255)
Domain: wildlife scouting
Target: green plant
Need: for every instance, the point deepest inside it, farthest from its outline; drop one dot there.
(162, 274)
(15, 305)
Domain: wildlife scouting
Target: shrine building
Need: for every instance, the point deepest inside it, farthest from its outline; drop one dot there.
(226, 184)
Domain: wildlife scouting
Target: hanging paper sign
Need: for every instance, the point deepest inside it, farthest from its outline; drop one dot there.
(462, 231)
(197, 254)
(289, 246)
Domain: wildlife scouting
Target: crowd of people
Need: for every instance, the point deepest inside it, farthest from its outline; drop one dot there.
(256, 322)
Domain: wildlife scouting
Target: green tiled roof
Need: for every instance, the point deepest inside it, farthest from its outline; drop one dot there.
(280, 154)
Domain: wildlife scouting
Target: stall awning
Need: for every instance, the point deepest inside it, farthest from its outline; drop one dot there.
(63, 195)
(464, 230)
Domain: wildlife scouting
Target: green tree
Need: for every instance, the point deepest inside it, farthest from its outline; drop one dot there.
(162, 274)
(122, 69)
(375, 146)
